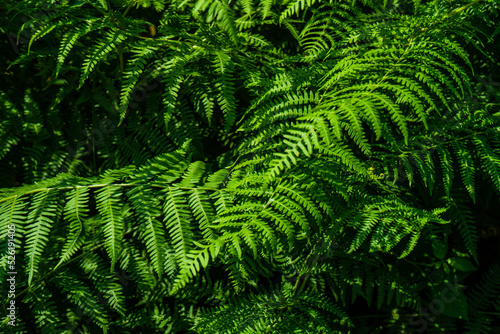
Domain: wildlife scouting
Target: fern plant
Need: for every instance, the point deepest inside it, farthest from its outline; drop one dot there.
(250, 166)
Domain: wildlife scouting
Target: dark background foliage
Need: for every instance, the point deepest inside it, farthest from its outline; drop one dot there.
(251, 166)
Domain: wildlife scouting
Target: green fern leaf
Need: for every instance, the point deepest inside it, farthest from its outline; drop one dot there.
(466, 167)
(43, 212)
(111, 40)
(178, 223)
(108, 203)
(69, 39)
(490, 158)
(76, 211)
(152, 230)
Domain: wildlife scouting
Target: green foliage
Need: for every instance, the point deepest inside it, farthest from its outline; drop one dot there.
(250, 166)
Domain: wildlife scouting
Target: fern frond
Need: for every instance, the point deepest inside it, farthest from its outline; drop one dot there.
(13, 214)
(69, 39)
(46, 29)
(147, 212)
(135, 68)
(108, 203)
(225, 97)
(177, 221)
(111, 40)
(446, 168)
(466, 165)
(76, 211)
(466, 224)
(43, 212)
(490, 158)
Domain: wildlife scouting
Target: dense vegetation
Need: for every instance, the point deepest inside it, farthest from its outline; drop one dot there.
(250, 166)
